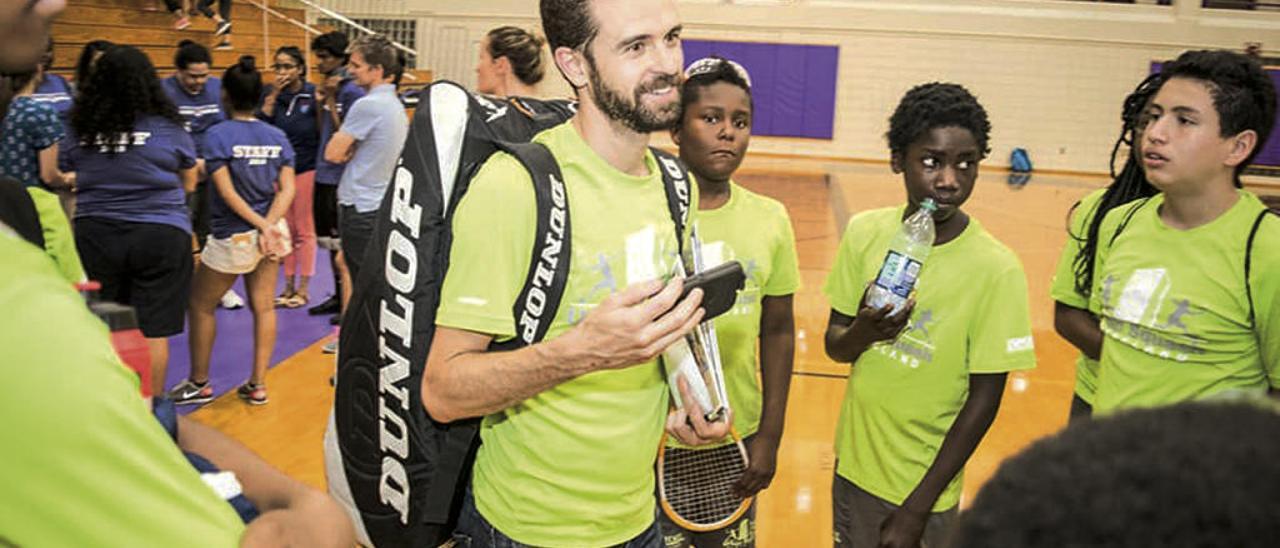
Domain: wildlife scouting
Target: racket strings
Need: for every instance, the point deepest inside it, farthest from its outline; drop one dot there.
(698, 484)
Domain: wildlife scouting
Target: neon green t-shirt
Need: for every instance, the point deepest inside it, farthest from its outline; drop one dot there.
(1063, 288)
(1175, 307)
(756, 231)
(971, 316)
(85, 463)
(574, 464)
(59, 243)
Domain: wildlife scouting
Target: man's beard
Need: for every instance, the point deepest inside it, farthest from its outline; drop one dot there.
(633, 113)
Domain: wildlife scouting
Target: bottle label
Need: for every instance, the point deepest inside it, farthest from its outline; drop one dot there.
(899, 273)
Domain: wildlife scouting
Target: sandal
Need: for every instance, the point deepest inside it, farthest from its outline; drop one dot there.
(285, 298)
(296, 300)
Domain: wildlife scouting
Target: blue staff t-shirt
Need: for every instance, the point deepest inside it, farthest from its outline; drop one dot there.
(28, 128)
(133, 177)
(254, 152)
(328, 173)
(295, 113)
(55, 92)
(200, 111)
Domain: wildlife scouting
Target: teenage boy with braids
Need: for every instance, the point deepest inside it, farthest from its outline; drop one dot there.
(1072, 317)
(921, 394)
(1185, 282)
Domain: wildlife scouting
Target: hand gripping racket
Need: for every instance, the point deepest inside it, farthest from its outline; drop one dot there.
(695, 485)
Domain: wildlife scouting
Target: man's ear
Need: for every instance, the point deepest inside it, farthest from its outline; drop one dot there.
(1242, 145)
(573, 65)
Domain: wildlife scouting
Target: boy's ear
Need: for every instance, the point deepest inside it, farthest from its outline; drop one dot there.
(1242, 145)
(895, 162)
(675, 134)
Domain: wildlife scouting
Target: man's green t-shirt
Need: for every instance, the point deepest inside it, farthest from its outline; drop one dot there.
(971, 317)
(1174, 306)
(1063, 288)
(756, 231)
(84, 461)
(574, 464)
(59, 242)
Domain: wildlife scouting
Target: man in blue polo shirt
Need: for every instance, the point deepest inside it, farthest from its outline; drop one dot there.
(369, 143)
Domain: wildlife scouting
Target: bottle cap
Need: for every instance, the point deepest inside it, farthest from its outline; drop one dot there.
(929, 205)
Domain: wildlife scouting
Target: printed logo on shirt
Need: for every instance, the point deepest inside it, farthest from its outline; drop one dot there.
(644, 257)
(1139, 316)
(256, 154)
(605, 285)
(915, 344)
(120, 142)
(1019, 344)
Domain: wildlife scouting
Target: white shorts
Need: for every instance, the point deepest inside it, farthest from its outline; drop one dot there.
(239, 253)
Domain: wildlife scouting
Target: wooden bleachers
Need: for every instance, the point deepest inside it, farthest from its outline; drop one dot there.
(146, 25)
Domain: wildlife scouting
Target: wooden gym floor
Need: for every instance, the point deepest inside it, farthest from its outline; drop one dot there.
(820, 196)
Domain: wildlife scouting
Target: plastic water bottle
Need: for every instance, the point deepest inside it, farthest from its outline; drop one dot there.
(907, 253)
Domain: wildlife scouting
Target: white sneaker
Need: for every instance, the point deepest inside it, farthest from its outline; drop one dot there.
(231, 301)
(330, 347)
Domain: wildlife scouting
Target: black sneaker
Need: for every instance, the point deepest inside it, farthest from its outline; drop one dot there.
(190, 393)
(224, 45)
(336, 319)
(223, 28)
(330, 306)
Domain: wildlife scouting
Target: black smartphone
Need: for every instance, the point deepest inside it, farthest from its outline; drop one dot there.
(720, 286)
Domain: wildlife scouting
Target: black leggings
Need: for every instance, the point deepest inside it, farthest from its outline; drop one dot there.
(224, 8)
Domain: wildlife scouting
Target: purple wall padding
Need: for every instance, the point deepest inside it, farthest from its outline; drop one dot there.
(793, 86)
(1270, 154)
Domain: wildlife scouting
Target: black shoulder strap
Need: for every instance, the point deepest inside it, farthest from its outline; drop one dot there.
(1248, 260)
(536, 307)
(675, 180)
(1128, 216)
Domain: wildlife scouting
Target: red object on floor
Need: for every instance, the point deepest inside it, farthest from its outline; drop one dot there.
(131, 346)
(126, 338)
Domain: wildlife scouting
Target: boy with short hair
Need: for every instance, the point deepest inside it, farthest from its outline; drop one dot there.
(923, 392)
(736, 224)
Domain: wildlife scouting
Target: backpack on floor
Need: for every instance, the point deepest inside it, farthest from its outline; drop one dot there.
(1019, 161)
(399, 473)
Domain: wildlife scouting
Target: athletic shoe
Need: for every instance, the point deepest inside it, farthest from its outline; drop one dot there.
(190, 393)
(336, 319)
(223, 28)
(231, 301)
(182, 23)
(252, 394)
(330, 347)
(329, 306)
(224, 45)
